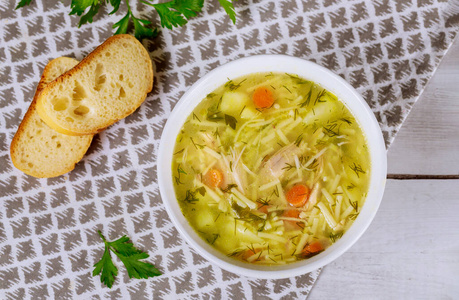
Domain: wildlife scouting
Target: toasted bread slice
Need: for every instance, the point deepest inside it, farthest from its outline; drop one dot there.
(37, 149)
(106, 86)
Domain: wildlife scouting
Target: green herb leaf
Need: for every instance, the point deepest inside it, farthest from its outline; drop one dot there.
(140, 29)
(129, 256)
(116, 6)
(176, 12)
(106, 269)
(87, 18)
(122, 24)
(23, 3)
(229, 9)
(202, 191)
(231, 121)
(136, 268)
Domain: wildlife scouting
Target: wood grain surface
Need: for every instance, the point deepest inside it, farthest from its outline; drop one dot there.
(411, 250)
(428, 142)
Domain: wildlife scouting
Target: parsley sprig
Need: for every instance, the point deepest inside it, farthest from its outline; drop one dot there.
(129, 255)
(173, 13)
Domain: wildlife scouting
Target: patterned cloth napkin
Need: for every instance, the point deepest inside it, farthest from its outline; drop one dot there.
(387, 49)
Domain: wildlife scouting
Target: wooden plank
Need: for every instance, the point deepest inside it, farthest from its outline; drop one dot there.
(428, 142)
(410, 251)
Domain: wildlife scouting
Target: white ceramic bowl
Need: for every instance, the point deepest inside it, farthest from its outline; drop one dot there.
(307, 70)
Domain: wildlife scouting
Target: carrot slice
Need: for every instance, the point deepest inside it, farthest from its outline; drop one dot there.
(298, 195)
(263, 98)
(213, 178)
(313, 248)
(292, 213)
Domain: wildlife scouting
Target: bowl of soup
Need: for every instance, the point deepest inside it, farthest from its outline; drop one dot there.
(271, 166)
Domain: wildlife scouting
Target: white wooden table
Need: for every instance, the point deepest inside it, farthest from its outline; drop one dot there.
(411, 250)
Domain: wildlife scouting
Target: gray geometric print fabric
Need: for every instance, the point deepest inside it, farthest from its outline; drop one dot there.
(48, 227)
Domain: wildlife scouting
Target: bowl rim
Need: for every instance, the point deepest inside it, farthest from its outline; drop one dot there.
(293, 65)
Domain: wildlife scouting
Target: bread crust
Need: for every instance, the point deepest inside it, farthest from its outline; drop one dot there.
(48, 119)
(26, 125)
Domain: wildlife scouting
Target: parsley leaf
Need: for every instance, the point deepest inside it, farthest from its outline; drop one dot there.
(23, 3)
(80, 6)
(231, 121)
(140, 29)
(176, 12)
(129, 255)
(108, 269)
(173, 13)
(229, 9)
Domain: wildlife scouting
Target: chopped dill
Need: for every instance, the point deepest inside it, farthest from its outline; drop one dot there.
(288, 167)
(298, 140)
(217, 217)
(180, 151)
(229, 187)
(351, 186)
(190, 197)
(177, 180)
(308, 99)
(212, 241)
(263, 202)
(272, 87)
(353, 216)
(236, 252)
(216, 133)
(319, 97)
(180, 170)
(251, 248)
(196, 145)
(297, 78)
(335, 237)
(330, 130)
(242, 110)
(357, 169)
(287, 89)
(349, 122)
(196, 117)
(300, 224)
(355, 205)
(272, 259)
(275, 192)
(233, 86)
(211, 95)
(294, 237)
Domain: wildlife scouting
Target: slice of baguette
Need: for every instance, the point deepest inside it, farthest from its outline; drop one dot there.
(38, 150)
(106, 86)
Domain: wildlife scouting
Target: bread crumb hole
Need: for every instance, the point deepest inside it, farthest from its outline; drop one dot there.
(99, 77)
(30, 165)
(121, 77)
(78, 92)
(70, 120)
(60, 103)
(53, 137)
(81, 110)
(108, 54)
(122, 93)
(58, 145)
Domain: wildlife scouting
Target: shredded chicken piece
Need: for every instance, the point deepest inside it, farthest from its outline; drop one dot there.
(275, 166)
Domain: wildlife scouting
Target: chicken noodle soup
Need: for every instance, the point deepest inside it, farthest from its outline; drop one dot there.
(271, 168)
